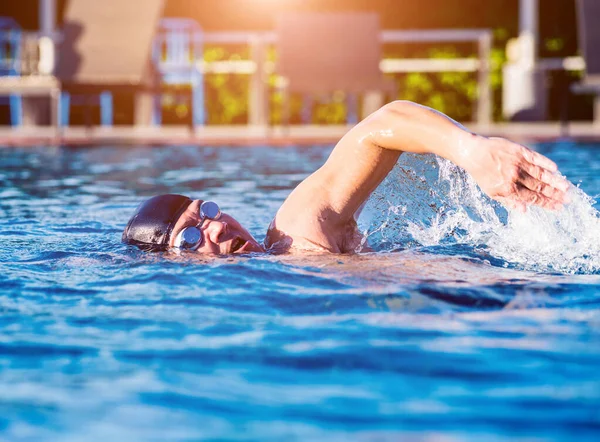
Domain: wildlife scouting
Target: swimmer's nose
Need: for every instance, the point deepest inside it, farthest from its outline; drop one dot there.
(215, 230)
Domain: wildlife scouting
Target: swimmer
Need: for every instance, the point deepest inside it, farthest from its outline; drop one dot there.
(321, 212)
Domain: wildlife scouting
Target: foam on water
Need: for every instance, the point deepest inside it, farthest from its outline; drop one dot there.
(428, 201)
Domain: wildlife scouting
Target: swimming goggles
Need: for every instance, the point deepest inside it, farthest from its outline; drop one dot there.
(191, 237)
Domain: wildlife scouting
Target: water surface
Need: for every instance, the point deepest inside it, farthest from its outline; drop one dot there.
(467, 323)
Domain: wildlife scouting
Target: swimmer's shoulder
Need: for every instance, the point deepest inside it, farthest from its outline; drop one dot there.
(313, 236)
(297, 238)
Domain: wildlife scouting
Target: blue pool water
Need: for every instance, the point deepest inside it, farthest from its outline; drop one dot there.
(468, 323)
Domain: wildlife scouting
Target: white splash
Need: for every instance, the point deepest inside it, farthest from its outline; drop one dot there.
(428, 201)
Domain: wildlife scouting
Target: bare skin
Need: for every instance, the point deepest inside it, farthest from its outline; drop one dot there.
(221, 237)
(320, 214)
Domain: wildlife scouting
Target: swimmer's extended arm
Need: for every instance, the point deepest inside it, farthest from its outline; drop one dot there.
(506, 171)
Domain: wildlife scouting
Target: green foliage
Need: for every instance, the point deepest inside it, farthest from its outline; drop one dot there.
(450, 92)
(554, 44)
(226, 94)
(454, 93)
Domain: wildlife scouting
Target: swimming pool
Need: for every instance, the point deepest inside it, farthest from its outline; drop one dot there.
(468, 323)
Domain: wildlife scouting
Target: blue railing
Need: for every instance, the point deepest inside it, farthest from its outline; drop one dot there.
(10, 64)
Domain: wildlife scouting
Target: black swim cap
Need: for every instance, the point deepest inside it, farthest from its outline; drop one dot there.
(150, 226)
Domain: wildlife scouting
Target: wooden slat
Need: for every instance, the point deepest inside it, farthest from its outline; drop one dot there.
(321, 52)
(30, 85)
(108, 41)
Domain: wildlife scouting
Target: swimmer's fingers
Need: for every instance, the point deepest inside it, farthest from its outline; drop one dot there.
(543, 175)
(550, 197)
(543, 182)
(539, 160)
(529, 197)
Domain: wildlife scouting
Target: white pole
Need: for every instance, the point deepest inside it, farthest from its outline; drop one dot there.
(528, 31)
(484, 102)
(258, 106)
(47, 18)
(524, 92)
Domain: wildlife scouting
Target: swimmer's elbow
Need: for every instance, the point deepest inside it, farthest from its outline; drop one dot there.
(382, 127)
(398, 109)
(410, 127)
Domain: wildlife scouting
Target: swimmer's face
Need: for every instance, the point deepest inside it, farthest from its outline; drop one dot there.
(221, 237)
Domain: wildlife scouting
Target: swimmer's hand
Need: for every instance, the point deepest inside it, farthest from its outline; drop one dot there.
(511, 173)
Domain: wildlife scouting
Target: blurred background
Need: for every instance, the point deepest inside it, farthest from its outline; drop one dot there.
(218, 62)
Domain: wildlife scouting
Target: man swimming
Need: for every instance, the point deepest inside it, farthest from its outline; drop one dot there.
(321, 212)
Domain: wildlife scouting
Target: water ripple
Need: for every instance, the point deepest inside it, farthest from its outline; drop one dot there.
(452, 336)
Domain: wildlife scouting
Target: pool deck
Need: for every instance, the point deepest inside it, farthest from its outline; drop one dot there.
(242, 135)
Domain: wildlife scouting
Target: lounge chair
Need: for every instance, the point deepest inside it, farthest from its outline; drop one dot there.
(320, 53)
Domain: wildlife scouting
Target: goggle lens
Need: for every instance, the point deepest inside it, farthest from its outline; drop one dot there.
(191, 237)
(210, 210)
